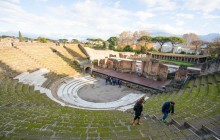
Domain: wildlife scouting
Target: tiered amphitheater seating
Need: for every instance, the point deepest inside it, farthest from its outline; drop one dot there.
(75, 50)
(28, 114)
(25, 113)
(49, 59)
(197, 104)
(17, 60)
(24, 59)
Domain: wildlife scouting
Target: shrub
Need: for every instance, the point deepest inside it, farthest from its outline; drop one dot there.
(153, 50)
(95, 63)
(182, 52)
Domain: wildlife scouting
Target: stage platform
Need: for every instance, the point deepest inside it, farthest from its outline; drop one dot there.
(133, 78)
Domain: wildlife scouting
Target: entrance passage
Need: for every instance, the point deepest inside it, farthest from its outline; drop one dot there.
(88, 70)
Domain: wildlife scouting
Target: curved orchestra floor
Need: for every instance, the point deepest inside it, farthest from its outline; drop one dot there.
(101, 93)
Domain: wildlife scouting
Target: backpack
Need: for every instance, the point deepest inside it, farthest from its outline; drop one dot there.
(135, 107)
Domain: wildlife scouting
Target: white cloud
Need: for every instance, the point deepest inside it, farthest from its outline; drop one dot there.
(95, 19)
(14, 1)
(160, 4)
(189, 16)
(179, 23)
(82, 18)
(162, 28)
(204, 5)
(205, 25)
(144, 15)
(60, 10)
(117, 3)
(209, 16)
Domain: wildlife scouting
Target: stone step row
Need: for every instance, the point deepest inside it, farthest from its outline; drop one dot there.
(202, 133)
(68, 93)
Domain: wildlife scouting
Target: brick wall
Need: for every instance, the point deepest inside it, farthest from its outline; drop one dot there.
(154, 70)
(181, 75)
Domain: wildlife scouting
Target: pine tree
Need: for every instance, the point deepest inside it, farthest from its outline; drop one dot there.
(20, 37)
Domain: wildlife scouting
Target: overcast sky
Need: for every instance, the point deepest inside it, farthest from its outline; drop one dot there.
(104, 18)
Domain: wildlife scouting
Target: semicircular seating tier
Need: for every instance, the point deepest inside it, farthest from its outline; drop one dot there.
(68, 93)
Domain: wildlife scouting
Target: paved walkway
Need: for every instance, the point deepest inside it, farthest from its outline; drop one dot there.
(134, 78)
(177, 67)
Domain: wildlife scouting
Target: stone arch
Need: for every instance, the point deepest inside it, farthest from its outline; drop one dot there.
(88, 70)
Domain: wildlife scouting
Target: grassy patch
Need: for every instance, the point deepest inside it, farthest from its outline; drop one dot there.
(178, 63)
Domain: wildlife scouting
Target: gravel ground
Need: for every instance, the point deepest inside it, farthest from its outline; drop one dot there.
(101, 93)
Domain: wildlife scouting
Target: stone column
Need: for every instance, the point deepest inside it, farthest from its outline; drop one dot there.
(98, 61)
(142, 67)
(133, 69)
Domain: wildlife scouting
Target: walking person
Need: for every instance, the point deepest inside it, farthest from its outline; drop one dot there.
(119, 83)
(113, 81)
(110, 80)
(166, 108)
(138, 108)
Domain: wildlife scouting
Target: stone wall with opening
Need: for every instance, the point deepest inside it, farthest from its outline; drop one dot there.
(154, 70)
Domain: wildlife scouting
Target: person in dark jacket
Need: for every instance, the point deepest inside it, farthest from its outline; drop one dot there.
(106, 79)
(166, 108)
(119, 83)
(138, 108)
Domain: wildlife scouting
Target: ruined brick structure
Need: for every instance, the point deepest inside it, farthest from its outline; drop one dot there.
(126, 54)
(102, 62)
(154, 70)
(121, 65)
(181, 74)
(109, 64)
(118, 64)
(126, 66)
(150, 69)
(178, 57)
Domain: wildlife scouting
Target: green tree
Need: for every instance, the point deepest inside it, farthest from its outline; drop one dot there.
(143, 49)
(63, 40)
(161, 40)
(95, 39)
(128, 48)
(146, 39)
(113, 41)
(74, 41)
(105, 44)
(42, 39)
(175, 40)
(20, 37)
(152, 50)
